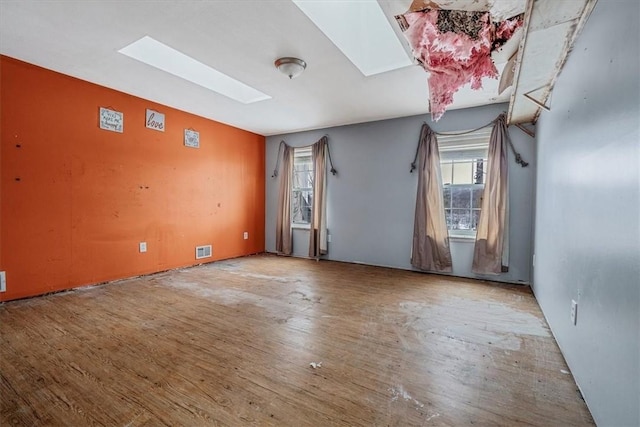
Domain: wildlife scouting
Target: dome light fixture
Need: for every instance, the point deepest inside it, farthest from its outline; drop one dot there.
(291, 67)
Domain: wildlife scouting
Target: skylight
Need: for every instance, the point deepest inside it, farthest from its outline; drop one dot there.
(165, 58)
(361, 31)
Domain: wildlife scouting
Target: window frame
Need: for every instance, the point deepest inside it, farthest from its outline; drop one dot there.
(462, 149)
(300, 152)
(463, 233)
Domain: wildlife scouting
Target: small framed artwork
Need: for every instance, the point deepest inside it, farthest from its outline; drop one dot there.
(191, 138)
(155, 120)
(111, 120)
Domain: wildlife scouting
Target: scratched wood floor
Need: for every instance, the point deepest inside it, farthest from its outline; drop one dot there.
(230, 343)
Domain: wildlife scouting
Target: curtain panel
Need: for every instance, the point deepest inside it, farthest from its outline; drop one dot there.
(318, 227)
(491, 252)
(284, 242)
(430, 234)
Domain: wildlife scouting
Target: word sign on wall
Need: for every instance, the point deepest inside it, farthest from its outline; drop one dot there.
(155, 120)
(111, 120)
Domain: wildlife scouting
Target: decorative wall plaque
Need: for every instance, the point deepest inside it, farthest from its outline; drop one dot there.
(111, 120)
(191, 138)
(155, 120)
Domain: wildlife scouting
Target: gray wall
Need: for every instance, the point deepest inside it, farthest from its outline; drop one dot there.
(588, 213)
(371, 201)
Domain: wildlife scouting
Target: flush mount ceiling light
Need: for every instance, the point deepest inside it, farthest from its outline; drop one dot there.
(291, 67)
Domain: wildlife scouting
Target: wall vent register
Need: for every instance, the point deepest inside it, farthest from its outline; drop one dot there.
(203, 252)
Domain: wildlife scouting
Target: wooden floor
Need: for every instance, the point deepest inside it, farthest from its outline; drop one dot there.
(230, 343)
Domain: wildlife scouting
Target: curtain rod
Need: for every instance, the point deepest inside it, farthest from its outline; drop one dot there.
(518, 157)
(491, 123)
(326, 142)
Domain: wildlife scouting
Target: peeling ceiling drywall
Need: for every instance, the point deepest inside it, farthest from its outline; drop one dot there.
(455, 48)
(456, 52)
(82, 39)
(551, 28)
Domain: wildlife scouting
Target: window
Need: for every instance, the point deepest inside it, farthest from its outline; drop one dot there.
(463, 161)
(302, 188)
(463, 187)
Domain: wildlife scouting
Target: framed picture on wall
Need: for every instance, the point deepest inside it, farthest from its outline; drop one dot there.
(111, 120)
(155, 120)
(191, 138)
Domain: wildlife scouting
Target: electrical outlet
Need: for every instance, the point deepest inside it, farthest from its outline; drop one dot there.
(574, 312)
(3, 281)
(246, 235)
(143, 246)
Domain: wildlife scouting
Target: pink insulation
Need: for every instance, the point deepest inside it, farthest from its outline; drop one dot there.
(505, 29)
(454, 59)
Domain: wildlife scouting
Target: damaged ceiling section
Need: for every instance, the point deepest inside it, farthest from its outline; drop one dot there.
(460, 42)
(551, 29)
(457, 42)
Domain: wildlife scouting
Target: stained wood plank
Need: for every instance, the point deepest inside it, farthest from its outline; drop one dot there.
(230, 343)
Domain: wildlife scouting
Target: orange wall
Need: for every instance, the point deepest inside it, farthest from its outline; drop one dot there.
(86, 197)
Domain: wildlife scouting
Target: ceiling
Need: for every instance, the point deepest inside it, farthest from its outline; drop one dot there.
(243, 38)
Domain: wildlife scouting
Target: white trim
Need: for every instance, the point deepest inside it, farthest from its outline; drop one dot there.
(467, 238)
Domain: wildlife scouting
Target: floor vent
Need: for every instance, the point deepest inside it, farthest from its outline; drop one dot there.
(203, 251)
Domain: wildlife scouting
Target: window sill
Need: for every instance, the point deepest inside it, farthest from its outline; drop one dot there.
(301, 226)
(468, 238)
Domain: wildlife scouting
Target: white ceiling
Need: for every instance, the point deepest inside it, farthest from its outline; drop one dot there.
(240, 38)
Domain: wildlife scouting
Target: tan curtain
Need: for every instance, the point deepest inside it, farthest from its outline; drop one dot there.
(284, 243)
(490, 255)
(318, 228)
(430, 235)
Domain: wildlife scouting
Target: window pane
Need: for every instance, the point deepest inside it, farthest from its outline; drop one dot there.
(461, 197)
(462, 173)
(477, 197)
(447, 214)
(447, 197)
(302, 192)
(476, 218)
(446, 168)
(478, 171)
(463, 178)
(301, 206)
(461, 219)
(302, 173)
